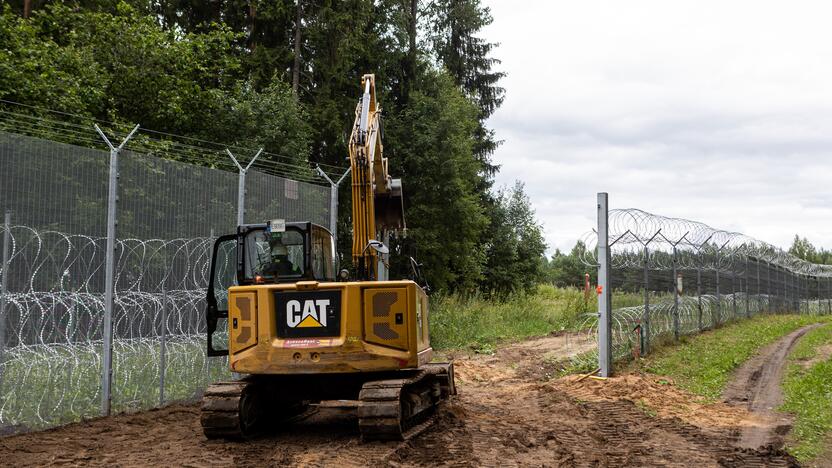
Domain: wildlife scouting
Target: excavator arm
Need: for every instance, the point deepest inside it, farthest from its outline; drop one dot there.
(376, 197)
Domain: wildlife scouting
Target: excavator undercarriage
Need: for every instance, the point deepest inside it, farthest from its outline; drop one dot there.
(393, 405)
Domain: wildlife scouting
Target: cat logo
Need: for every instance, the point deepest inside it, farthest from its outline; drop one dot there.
(308, 314)
(312, 313)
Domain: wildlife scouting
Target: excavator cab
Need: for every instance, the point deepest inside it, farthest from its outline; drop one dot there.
(270, 253)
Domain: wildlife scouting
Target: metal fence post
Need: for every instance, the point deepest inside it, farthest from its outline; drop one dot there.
(759, 294)
(747, 297)
(4, 287)
(333, 200)
(163, 346)
(699, 292)
(716, 315)
(604, 296)
(675, 295)
(734, 290)
(109, 278)
(645, 319)
(241, 185)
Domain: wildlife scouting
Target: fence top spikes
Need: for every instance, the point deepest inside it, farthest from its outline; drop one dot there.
(107, 140)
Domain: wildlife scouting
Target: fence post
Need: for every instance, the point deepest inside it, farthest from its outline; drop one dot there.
(163, 346)
(675, 295)
(241, 185)
(734, 289)
(745, 275)
(333, 200)
(759, 294)
(645, 319)
(716, 315)
(699, 291)
(604, 293)
(109, 272)
(4, 287)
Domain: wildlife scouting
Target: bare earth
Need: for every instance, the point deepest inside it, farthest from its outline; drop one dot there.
(756, 386)
(508, 413)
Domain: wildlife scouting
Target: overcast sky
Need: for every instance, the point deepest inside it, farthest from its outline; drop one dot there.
(719, 112)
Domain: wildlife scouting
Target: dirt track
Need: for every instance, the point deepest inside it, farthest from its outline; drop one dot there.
(756, 386)
(507, 414)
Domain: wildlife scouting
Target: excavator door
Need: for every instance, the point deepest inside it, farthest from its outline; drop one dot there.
(223, 275)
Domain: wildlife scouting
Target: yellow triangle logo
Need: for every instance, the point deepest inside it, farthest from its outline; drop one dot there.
(309, 321)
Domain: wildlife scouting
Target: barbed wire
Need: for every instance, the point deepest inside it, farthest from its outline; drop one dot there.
(53, 324)
(78, 129)
(633, 232)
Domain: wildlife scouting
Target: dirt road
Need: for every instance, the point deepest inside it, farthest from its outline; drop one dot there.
(756, 386)
(508, 413)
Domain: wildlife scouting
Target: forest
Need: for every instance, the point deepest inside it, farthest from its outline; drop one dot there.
(285, 75)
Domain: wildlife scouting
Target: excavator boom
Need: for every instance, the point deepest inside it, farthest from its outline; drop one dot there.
(376, 197)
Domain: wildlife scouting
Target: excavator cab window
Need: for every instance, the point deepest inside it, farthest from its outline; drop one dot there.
(298, 251)
(275, 256)
(257, 254)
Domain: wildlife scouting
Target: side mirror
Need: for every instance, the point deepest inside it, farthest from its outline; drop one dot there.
(378, 246)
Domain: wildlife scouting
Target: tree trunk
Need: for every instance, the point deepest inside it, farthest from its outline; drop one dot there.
(412, 50)
(296, 64)
(27, 8)
(252, 13)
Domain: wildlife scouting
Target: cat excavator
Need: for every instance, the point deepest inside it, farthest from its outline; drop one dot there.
(302, 337)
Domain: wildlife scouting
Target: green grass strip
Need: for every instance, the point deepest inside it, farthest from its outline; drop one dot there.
(807, 391)
(480, 324)
(703, 364)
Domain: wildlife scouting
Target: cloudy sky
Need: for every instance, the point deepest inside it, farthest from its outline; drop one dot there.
(715, 111)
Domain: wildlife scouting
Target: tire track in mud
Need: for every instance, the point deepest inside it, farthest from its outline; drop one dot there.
(756, 386)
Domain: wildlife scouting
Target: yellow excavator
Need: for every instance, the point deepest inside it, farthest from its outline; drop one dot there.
(303, 337)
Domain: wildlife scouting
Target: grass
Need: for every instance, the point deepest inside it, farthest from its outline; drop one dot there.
(45, 386)
(807, 392)
(703, 363)
(480, 324)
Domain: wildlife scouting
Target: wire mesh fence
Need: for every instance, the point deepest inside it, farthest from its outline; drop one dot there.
(670, 277)
(52, 295)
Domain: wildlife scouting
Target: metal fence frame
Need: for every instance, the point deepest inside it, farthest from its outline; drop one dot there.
(727, 255)
(110, 262)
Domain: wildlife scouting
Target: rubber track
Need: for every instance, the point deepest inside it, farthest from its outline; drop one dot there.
(379, 416)
(220, 410)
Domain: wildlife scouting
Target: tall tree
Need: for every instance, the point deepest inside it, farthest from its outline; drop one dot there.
(455, 31)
